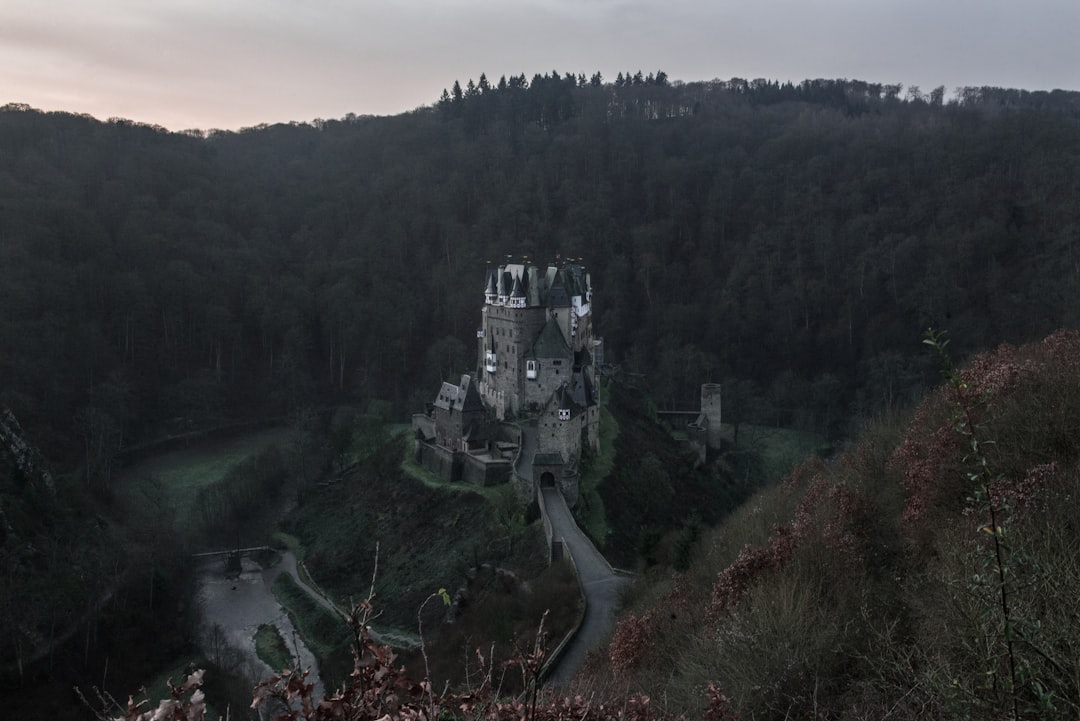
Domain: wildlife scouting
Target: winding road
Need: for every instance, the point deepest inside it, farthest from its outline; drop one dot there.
(600, 583)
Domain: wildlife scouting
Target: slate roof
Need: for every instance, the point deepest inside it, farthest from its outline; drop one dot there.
(557, 296)
(582, 391)
(459, 398)
(565, 399)
(447, 396)
(469, 398)
(550, 343)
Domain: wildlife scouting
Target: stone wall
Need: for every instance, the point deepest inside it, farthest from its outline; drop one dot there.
(481, 472)
(592, 428)
(550, 374)
(710, 408)
(562, 437)
(438, 460)
(511, 331)
(424, 425)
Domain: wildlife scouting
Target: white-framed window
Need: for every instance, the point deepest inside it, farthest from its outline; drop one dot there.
(530, 369)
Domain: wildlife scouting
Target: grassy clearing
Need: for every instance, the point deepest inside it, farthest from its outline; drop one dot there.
(272, 649)
(780, 449)
(172, 480)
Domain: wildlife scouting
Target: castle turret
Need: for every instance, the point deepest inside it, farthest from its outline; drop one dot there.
(517, 295)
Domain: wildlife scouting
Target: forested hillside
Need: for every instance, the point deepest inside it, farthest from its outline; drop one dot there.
(927, 572)
(788, 241)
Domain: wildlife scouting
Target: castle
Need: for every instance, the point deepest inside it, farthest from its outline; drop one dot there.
(533, 404)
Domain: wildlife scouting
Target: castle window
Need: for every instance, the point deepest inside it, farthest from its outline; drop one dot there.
(564, 414)
(530, 369)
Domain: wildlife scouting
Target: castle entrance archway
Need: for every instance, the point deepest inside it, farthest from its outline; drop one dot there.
(547, 480)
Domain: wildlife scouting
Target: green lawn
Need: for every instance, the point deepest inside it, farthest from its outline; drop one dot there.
(780, 449)
(169, 482)
(272, 649)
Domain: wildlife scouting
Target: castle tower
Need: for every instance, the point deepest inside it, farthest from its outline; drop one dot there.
(710, 409)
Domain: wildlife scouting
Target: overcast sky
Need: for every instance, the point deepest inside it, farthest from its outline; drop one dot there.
(234, 63)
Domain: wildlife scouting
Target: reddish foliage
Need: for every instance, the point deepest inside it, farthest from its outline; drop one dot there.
(935, 454)
(924, 462)
(719, 706)
(631, 640)
(185, 703)
(829, 507)
(678, 599)
(735, 580)
(1008, 493)
(377, 690)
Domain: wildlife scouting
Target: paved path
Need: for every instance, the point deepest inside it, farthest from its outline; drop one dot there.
(599, 582)
(397, 639)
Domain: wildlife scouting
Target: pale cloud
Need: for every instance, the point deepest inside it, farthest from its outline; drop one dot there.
(229, 63)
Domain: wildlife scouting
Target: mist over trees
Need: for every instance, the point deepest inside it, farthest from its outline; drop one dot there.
(790, 241)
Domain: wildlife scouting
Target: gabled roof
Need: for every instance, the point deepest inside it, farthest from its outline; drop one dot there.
(565, 399)
(557, 295)
(550, 343)
(447, 397)
(459, 398)
(468, 397)
(581, 391)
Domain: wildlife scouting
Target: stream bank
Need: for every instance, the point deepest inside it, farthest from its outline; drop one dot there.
(232, 607)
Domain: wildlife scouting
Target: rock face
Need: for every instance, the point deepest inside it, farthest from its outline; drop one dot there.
(26, 457)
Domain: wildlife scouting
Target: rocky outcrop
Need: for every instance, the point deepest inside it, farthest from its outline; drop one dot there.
(26, 457)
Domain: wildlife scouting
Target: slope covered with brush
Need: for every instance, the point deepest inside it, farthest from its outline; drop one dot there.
(930, 571)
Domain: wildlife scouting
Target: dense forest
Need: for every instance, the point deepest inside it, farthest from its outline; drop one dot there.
(789, 241)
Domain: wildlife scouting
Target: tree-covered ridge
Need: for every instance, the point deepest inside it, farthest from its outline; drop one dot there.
(787, 240)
